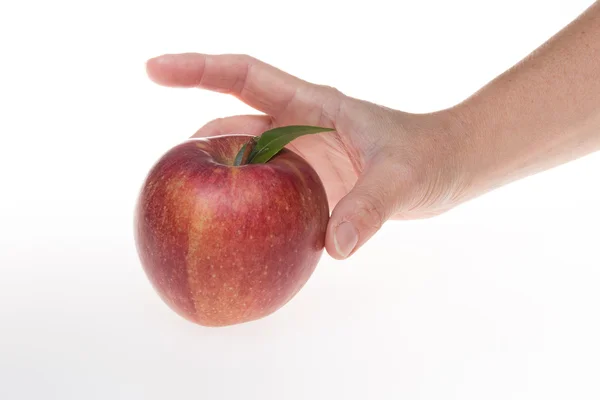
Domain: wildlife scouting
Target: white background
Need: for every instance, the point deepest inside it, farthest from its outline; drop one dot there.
(498, 299)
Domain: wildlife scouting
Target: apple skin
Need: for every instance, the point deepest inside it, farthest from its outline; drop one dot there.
(224, 244)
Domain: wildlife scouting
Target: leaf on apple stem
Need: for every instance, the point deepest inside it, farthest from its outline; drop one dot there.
(269, 143)
(242, 156)
(245, 152)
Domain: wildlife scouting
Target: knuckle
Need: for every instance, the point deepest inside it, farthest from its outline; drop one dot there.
(332, 101)
(330, 91)
(246, 58)
(372, 211)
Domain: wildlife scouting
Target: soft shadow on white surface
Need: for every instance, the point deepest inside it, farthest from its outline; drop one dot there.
(497, 299)
(485, 297)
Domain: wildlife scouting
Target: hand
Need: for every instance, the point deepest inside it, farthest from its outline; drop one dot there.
(378, 164)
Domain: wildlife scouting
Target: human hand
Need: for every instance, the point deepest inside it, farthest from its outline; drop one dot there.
(378, 163)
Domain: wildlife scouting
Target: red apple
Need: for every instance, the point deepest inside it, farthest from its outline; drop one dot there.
(225, 244)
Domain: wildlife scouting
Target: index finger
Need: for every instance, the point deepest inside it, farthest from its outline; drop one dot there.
(258, 84)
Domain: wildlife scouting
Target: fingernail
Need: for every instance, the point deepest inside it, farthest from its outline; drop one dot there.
(345, 238)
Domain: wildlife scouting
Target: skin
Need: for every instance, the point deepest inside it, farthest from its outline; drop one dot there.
(381, 164)
(217, 250)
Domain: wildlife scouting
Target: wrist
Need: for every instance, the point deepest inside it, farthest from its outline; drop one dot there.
(463, 156)
(435, 152)
(493, 147)
(465, 127)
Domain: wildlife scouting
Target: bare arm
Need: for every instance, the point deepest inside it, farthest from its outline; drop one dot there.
(383, 164)
(543, 112)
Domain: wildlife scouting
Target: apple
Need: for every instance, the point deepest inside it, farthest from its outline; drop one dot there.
(223, 240)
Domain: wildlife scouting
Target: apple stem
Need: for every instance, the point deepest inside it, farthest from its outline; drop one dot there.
(243, 155)
(260, 149)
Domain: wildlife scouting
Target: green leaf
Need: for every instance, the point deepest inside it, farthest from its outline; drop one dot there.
(240, 155)
(246, 152)
(272, 141)
(253, 141)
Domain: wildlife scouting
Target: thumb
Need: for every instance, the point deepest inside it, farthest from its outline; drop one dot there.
(362, 212)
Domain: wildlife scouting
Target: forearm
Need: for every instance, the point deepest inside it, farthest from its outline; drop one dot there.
(543, 112)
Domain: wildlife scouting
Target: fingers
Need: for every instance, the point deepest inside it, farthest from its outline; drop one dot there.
(260, 85)
(239, 124)
(362, 212)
